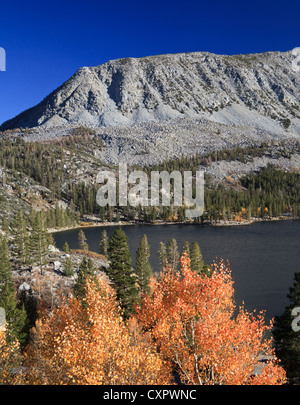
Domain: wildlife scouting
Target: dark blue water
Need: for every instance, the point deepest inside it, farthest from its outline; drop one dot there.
(263, 256)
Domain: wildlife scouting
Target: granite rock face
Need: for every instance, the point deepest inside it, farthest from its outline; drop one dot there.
(156, 107)
(236, 89)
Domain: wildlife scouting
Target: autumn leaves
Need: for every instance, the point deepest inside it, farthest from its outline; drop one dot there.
(184, 326)
(190, 319)
(91, 344)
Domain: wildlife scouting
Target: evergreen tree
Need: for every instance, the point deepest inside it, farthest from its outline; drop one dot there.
(66, 247)
(82, 240)
(86, 270)
(173, 253)
(39, 240)
(104, 244)
(50, 239)
(197, 262)
(69, 268)
(162, 254)
(16, 317)
(59, 216)
(120, 271)
(186, 248)
(5, 224)
(21, 238)
(143, 268)
(286, 339)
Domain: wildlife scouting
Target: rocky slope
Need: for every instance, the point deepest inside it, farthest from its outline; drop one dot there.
(160, 106)
(128, 91)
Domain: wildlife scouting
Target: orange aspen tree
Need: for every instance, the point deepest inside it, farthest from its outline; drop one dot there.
(10, 361)
(191, 320)
(91, 344)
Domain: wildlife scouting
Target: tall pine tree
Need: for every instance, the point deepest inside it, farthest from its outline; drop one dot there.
(162, 254)
(39, 240)
(173, 253)
(186, 248)
(82, 240)
(196, 257)
(120, 271)
(21, 238)
(143, 268)
(16, 317)
(104, 244)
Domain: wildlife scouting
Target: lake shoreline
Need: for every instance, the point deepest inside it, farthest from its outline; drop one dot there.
(215, 224)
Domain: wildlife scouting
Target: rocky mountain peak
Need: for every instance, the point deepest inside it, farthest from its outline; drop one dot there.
(130, 91)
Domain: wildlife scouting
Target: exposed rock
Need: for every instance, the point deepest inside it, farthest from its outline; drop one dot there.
(227, 89)
(50, 282)
(56, 265)
(24, 287)
(156, 107)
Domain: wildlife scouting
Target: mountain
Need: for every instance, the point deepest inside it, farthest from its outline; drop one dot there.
(236, 89)
(157, 107)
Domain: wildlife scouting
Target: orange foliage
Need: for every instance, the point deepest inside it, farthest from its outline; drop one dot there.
(191, 320)
(10, 361)
(90, 344)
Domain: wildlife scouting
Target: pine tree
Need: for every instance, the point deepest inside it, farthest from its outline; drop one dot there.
(59, 217)
(5, 224)
(120, 271)
(186, 248)
(51, 223)
(86, 270)
(16, 317)
(286, 339)
(69, 268)
(173, 253)
(104, 244)
(39, 239)
(50, 239)
(143, 268)
(197, 262)
(66, 247)
(82, 240)
(21, 238)
(162, 254)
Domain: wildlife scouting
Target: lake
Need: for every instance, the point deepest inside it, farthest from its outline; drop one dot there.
(263, 256)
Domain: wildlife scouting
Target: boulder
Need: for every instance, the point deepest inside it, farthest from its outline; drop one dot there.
(24, 287)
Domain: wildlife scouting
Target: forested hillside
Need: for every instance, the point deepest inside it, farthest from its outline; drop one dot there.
(64, 171)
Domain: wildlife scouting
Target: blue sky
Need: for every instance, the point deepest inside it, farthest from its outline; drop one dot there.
(46, 42)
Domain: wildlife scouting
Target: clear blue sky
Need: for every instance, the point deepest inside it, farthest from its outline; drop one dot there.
(46, 42)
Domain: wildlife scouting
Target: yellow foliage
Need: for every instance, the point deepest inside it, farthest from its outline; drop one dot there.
(91, 344)
(10, 361)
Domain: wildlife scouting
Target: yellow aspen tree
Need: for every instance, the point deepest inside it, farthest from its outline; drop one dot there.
(11, 372)
(91, 344)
